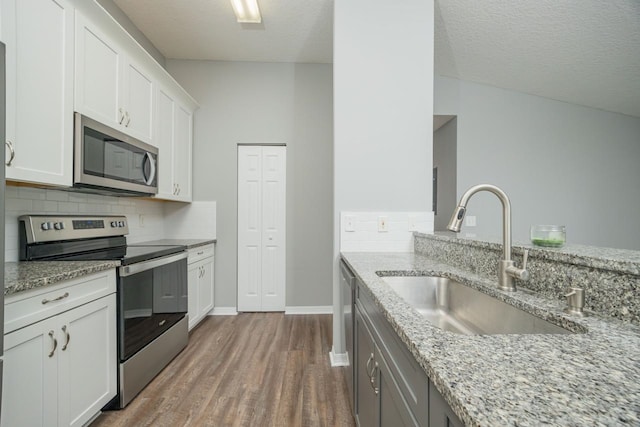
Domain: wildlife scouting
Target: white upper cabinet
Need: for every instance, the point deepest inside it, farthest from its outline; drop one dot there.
(174, 139)
(110, 87)
(39, 64)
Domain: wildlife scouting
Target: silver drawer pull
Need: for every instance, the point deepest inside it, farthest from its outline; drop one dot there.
(162, 322)
(55, 344)
(200, 253)
(66, 332)
(63, 296)
(12, 152)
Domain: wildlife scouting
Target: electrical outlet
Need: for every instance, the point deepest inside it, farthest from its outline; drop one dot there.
(349, 223)
(470, 221)
(413, 222)
(383, 225)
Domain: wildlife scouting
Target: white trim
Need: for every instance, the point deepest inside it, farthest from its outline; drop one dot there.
(309, 309)
(223, 311)
(338, 359)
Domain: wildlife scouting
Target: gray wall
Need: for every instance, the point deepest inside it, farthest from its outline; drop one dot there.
(253, 103)
(559, 163)
(444, 158)
(131, 28)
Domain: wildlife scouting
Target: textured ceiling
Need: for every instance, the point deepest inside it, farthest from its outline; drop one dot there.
(291, 30)
(585, 52)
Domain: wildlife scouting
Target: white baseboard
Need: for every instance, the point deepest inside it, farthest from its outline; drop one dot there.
(309, 309)
(339, 359)
(223, 311)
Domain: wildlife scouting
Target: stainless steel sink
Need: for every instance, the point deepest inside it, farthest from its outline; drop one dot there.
(454, 307)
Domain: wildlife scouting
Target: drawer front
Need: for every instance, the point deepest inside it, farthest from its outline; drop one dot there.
(200, 253)
(28, 307)
(410, 378)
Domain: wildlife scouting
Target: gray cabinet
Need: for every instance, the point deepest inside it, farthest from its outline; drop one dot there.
(379, 401)
(391, 389)
(440, 413)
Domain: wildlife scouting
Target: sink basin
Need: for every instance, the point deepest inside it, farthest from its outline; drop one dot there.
(454, 307)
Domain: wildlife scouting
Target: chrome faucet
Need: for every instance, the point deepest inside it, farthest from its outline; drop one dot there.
(507, 271)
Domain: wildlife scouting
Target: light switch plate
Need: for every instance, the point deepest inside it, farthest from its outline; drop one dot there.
(350, 223)
(383, 225)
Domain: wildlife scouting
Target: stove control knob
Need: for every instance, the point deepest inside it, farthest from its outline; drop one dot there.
(114, 224)
(58, 225)
(120, 223)
(45, 225)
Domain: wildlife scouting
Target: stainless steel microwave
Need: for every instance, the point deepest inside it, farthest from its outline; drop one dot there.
(107, 161)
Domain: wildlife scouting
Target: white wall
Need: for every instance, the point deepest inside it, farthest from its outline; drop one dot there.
(254, 103)
(383, 107)
(28, 200)
(559, 163)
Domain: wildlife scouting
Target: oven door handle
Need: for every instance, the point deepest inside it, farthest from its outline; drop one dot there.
(139, 267)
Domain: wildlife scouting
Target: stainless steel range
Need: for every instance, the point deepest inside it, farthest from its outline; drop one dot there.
(151, 291)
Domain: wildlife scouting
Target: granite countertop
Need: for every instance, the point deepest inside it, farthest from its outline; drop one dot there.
(189, 243)
(22, 276)
(587, 378)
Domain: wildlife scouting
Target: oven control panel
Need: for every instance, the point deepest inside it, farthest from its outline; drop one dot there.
(42, 228)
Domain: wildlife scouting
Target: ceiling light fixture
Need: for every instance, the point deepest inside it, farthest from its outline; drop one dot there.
(247, 11)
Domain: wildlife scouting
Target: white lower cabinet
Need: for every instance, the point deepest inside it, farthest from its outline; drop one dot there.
(200, 280)
(61, 371)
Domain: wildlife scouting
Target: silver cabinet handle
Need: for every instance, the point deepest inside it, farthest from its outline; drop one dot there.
(200, 253)
(376, 389)
(61, 297)
(126, 114)
(178, 187)
(55, 344)
(68, 335)
(11, 151)
(369, 369)
(174, 189)
(162, 322)
(121, 116)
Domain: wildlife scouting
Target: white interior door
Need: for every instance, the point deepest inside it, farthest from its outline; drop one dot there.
(261, 228)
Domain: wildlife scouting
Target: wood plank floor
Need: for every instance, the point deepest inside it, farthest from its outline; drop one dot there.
(253, 369)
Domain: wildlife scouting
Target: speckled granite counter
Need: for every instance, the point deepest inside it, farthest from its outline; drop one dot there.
(22, 276)
(189, 243)
(583, 379)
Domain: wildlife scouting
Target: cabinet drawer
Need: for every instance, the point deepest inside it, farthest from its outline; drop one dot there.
(200, 253)
(411, 379)
(28, 307)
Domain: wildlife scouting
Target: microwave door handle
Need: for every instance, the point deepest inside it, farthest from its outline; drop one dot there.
(152, 166)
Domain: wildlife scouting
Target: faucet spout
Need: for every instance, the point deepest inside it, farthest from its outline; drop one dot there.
(507, 271)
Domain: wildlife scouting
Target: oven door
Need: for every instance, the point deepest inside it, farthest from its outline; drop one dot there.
(152, 297)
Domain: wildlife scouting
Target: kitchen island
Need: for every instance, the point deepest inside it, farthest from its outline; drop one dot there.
(589, 377)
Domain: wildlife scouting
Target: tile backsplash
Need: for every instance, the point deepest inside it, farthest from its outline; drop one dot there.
(146, 217)
(382, 231)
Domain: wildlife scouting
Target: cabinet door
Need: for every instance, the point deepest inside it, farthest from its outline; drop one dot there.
(30, 377)
(137, 102)
(205, 287)
(440, 413)
(394, 411)
(192, 280)
(88, 360)
(99, 67)
(182, 144)
(39, 96)
(366, 399)
(163, 139)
